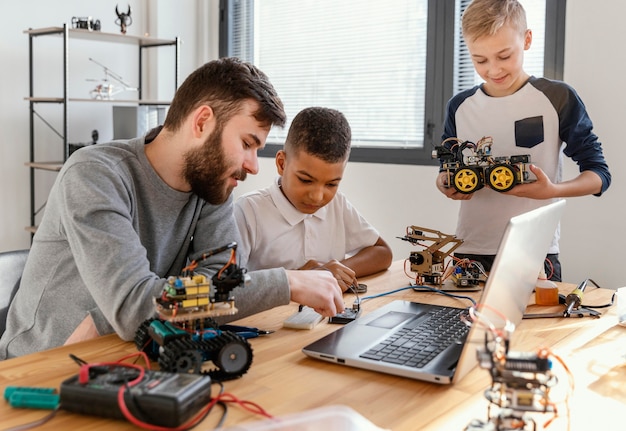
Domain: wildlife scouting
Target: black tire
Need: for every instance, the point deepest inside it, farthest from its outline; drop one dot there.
(143, 340)
(181, 356)
(235, 357)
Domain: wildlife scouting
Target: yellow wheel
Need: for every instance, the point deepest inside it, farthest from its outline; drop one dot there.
(502, 177)
(467, 180)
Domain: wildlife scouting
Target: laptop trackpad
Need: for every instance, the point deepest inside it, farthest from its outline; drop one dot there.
(394, 318)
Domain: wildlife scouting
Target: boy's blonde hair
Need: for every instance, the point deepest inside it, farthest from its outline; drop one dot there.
(486, 17)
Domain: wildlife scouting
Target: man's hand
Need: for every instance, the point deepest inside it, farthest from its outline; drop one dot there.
(316, 289)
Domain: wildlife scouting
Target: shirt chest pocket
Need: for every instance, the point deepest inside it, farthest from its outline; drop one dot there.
(529, 132)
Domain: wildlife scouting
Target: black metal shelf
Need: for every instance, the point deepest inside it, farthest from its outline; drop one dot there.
(66, 34)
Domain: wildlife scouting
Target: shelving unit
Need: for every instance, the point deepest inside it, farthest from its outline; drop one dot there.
(66, 34)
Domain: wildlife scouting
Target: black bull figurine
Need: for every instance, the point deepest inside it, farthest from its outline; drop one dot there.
(123, 19)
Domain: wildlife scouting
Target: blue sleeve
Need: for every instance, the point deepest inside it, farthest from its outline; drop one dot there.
(576, 130)
(449, 125)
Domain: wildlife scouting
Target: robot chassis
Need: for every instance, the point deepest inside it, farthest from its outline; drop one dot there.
(470, 166)
(520, 384)
(184, 337)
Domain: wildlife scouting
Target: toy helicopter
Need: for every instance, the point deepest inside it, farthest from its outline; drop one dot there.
(106, 89)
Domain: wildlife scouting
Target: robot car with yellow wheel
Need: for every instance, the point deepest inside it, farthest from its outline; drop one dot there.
(469, 167)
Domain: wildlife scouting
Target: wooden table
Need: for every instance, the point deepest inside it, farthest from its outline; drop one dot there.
(284, 381)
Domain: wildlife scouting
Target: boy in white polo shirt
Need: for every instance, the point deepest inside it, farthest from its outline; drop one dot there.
(302, 221)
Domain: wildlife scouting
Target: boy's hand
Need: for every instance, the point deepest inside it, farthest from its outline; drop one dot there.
(316, 289)
(345, 276)
(311, 264)
(451, 192)
(543, 188)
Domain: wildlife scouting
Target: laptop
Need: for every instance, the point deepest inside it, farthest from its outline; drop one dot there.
(508, 288)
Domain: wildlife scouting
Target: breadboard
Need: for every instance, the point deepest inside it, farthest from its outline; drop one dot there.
(306, 318)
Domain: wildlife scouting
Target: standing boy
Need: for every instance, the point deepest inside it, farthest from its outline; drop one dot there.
(302, 221)
(523, 115)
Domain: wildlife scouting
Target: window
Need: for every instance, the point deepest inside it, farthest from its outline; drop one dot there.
(389, 66)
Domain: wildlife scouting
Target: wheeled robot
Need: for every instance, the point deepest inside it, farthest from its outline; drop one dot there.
(185, 338)
(470, 166)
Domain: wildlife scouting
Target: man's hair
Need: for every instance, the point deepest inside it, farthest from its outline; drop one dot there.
(321, 132)
(486, 17)
(224, 85)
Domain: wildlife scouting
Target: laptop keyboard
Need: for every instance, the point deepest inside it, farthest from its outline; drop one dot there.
(416, 346)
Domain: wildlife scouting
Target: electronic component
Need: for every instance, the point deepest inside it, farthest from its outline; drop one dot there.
(161, 398)
(467, 273)
(359, 288)
(348, 315)
(31, 397)
(304, 318)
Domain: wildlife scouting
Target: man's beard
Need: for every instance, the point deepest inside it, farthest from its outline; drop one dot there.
(206, 168)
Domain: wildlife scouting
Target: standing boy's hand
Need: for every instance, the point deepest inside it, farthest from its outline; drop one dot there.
(451, 192)
(586, 183)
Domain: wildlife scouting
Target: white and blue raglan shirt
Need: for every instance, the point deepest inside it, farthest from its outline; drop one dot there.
(545, 119)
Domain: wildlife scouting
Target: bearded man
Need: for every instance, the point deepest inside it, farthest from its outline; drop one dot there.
(123, 216)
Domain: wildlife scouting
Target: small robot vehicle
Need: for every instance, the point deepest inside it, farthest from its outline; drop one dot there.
(470, 166)
(184, 337)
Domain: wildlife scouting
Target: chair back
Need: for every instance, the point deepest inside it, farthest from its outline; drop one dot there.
(11, 268)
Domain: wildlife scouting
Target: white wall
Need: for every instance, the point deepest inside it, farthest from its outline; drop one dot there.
(185, 19)
(390, 196)
(593, 229)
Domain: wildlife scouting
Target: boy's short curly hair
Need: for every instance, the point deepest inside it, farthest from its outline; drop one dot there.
(321, 132)
(486, 17)
(224, 85)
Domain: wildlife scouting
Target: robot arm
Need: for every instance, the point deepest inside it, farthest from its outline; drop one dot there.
(429, 263)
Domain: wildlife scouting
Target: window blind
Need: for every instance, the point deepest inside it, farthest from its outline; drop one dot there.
(365, 58)
(464, 74)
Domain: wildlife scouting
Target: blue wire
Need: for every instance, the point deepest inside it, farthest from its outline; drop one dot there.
(365, 298)
(417, 288)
